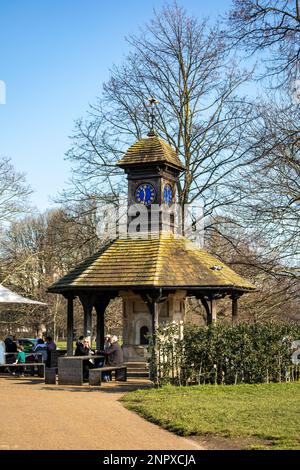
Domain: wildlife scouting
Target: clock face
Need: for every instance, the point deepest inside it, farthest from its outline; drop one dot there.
(145, 194)
(168, 194)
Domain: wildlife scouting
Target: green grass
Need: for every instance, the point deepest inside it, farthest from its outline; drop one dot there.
(267, 413)
(63, 345)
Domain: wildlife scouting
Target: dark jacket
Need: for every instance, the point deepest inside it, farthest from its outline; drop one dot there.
(10, 346)
(81, 350)
(114, 355)
(51, 346)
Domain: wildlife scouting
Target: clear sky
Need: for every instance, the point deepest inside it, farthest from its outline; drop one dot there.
(54, 56)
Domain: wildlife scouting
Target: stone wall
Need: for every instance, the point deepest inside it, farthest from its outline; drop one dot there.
(137, 316)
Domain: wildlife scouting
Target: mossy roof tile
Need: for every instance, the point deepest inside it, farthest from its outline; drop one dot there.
(167, 261)
(150, 150)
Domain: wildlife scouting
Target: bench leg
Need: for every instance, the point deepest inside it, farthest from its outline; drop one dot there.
(41, 371)
(50, 375)
(121, 375)
(94, 377)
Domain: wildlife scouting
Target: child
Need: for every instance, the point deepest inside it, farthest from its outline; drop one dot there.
(20, 360)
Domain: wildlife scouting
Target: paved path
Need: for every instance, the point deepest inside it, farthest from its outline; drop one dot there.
(39, 416)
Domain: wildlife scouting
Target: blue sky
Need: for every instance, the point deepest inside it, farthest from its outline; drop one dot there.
(54, 57)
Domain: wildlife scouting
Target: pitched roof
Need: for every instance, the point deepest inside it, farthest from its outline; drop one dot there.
(151, 149)
(162, 261)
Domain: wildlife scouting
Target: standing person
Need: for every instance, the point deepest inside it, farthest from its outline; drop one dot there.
(20, 360)
(10, 347)
(51, 347)
(2, 353)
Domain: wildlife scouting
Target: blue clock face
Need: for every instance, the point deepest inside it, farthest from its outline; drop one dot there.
(168, 195)
(145, 194)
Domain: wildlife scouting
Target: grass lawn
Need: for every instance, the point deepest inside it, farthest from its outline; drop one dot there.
(63, 345)
(267, 414)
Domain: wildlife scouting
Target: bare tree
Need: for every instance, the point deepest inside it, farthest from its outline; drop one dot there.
(268, 191)
(181, 61)
(34, 252)
(13, 191)
(251, 253)
(271, 26)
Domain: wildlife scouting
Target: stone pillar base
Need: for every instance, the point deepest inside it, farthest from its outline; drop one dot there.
(135, 353)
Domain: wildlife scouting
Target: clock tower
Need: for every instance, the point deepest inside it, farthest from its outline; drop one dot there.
(153, 169)
(152, 274)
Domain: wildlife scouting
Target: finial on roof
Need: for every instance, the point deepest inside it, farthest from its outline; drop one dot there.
(152, 103)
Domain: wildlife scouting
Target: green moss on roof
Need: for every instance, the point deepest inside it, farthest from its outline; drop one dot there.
(162, 261)
(151, 149)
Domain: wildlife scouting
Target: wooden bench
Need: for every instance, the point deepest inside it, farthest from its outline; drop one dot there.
(40, 367)
(95, 375)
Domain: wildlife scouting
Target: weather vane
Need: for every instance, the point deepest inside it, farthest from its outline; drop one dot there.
(152, 103)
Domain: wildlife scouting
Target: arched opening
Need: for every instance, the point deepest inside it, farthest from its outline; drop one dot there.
(143, 335)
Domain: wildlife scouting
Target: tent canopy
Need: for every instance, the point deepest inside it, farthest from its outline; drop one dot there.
(9, 297)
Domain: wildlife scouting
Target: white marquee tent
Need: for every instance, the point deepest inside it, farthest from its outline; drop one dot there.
(8, 297)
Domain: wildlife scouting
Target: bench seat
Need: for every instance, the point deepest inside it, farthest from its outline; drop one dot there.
(95, 375)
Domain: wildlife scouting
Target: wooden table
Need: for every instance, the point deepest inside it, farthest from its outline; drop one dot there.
(70, 369)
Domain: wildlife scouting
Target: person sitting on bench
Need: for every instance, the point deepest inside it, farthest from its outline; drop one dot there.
(83, 349)
(107, 343)
(41, 348)
(20, 360)
(113, 354)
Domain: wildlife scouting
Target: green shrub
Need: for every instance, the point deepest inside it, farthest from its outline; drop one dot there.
(249, 353)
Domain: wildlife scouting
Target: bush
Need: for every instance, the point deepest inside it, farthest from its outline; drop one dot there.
(221, 354)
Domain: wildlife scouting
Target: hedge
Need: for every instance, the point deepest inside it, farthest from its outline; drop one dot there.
(221, 354)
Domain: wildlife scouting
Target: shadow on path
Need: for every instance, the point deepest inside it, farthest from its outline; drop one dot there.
(23, 380)
(111, 388)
